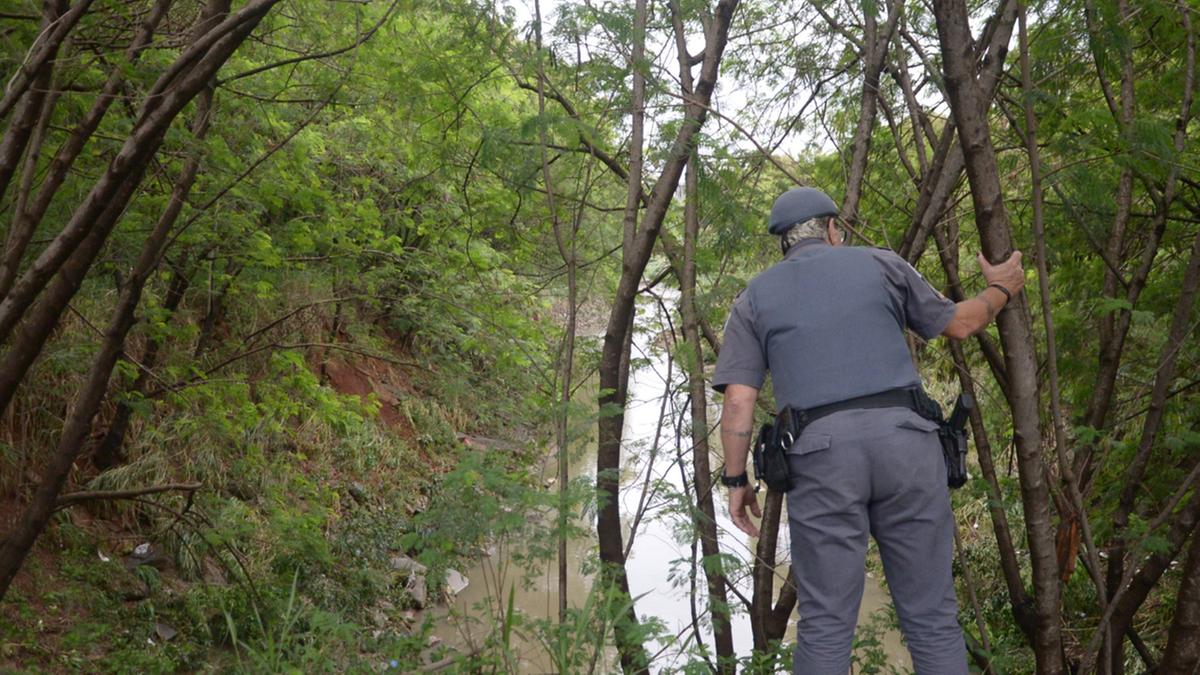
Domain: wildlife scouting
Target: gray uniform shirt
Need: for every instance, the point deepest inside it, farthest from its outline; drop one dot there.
(828, 323)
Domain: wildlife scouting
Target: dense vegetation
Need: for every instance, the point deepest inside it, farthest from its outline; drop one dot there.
(299, 295)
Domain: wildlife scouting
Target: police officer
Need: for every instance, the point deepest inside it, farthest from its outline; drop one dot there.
(828, 322)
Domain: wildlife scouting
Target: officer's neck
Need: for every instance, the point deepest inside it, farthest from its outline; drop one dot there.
(804, 244)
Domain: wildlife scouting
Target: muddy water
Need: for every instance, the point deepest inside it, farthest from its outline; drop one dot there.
(660, 563)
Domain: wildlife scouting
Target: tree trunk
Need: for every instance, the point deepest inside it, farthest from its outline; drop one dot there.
(1114, 334)
(638, 244)
(1183, 641)
(1075, 511)
(38, 323)
(705, 517)
(613, 374)
(948, 162)
(768, 618)
(1141, 582)
(18, 237)
(967, 104)
(57, 24)
(1010, 564)
(20, 129)
(567, 352)
(873, 55)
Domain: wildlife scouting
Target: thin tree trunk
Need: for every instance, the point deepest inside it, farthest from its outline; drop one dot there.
(1077, 512)
(1122, 113)
(567, 355)
(922, 128)
(57, 24)
(1165, 373)
(669, 245)
(613, 366)
(1118, 329)
(614, 362)
(214, 313)
(38, 323)
(768, 616)
(967, 104)
(980, 622)
(18, 237)
(1111, 349)
(1110, 346)
(671, 249)
(705, 517)
(1010, 565)
(1136, 583)
(948, 161)
(30, 107)
(873, 55)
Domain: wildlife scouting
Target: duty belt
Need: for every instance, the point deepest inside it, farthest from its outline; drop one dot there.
(771, 446)
(774, 440)
(794, 420)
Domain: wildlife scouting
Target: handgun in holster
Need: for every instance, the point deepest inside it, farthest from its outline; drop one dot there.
(953, 434)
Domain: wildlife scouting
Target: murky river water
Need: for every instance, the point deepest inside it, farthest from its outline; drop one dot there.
(660, 559)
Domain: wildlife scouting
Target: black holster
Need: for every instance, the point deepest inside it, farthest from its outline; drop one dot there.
(954, 441)
(954, 451)
(952, 433)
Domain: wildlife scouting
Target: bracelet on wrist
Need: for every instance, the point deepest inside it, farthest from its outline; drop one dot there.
(1007, 293)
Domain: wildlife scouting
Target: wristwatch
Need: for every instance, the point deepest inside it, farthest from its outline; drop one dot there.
(740, 480)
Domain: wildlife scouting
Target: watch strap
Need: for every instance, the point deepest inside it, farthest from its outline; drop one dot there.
(1007, 293)
(740, 480)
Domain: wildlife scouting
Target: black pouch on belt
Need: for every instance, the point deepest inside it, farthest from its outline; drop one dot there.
(770, 452)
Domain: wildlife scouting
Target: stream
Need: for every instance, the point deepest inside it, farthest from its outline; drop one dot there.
(659, 566)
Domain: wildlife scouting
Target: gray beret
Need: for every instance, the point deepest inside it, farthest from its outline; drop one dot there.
(799, 205)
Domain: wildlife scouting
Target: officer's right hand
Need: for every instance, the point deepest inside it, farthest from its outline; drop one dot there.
(739, 499)
(1008, 273)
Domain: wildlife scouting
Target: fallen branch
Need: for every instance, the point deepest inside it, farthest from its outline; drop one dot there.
(133, 493)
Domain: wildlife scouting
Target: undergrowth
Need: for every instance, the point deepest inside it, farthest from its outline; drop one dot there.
(283, 560)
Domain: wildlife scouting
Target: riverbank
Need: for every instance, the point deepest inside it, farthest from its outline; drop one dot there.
(298, 548)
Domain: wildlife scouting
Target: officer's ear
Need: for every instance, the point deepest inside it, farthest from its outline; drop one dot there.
(833, 235)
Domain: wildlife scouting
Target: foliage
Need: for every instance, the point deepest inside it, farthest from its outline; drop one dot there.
(366, 269)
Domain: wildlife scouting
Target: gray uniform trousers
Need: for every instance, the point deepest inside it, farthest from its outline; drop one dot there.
(880, 471)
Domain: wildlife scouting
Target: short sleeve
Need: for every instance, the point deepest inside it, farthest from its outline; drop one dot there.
(926, 312)
(741, 360)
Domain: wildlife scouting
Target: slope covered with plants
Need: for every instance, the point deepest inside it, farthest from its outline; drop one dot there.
(303, 301)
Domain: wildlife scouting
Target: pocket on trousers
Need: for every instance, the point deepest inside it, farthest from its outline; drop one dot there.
(809, 443)
(918, 424)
